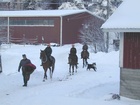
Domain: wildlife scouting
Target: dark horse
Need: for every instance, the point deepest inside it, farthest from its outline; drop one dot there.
(73, 61)
(47, 64)
(85, 56)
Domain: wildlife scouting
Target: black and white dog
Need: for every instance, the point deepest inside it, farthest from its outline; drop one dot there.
(91, 66)
(116, 96)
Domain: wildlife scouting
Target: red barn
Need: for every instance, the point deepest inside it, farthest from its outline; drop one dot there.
(57, 26)
(126, 21)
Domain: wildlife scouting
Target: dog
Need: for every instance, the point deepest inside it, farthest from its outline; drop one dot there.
(113, 97)
(91, 66)
(116, 96)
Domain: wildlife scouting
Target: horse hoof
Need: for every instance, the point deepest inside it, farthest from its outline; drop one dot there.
(43, 80)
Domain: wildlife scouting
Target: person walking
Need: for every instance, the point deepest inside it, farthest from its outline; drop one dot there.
(24, 63)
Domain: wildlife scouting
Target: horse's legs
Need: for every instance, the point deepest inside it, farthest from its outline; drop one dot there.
(45, 75)
(70, 69)
(83, 62)
(76, 68)
(86, 62)
(50, 73)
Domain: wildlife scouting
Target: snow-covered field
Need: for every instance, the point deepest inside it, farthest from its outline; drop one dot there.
(83, 88)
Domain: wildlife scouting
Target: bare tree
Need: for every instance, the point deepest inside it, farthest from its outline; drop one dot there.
(92, 35)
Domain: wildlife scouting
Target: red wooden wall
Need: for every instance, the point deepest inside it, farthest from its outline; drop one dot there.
(131, 56)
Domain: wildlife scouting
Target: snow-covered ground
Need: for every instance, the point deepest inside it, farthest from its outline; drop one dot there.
(83, 88)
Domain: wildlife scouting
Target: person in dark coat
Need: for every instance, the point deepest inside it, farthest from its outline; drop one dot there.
(73, 52)
(48, 51)
(23, 64)
(85, 47)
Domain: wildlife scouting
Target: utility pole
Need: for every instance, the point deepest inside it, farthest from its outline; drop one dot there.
(107, 34)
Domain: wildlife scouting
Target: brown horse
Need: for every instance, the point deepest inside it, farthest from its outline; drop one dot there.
(73, 61)
(47, 64)
(85, 56)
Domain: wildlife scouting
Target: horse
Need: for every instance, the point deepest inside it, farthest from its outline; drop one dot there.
(73, 59)
(85, 56)
(47, 64)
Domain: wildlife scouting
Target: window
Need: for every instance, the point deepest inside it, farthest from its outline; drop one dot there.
(3, 21)
(34, 22)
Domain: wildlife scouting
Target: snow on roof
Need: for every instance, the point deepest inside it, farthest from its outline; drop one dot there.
(36, 13)
(125, 19)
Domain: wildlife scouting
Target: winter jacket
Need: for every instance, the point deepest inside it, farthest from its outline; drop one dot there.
(23, 63)
(73, 51)
(85, 47)
(48, 51)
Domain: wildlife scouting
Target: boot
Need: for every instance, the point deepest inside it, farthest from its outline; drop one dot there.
(25, 82)
(25, 85)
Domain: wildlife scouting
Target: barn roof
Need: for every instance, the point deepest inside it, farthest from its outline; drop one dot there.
(36, 13)
(125, 19)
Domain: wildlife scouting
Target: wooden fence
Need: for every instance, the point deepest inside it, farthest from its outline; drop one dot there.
(24, 40)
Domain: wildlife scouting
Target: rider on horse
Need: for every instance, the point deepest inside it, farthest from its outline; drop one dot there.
(48, 51)
(73, 52)
(85, 49)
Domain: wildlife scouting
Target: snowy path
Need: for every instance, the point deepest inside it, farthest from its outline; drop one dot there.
(83, 88)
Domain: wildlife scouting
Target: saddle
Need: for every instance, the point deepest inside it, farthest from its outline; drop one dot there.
(50, 58)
